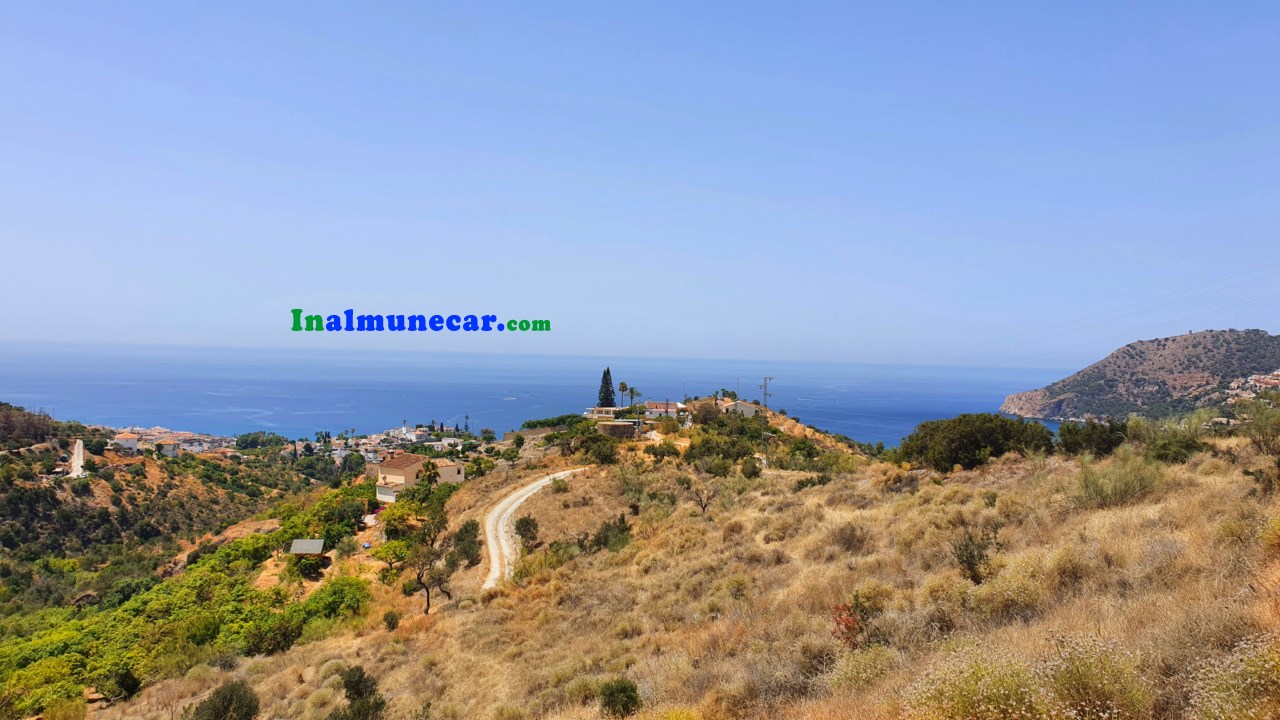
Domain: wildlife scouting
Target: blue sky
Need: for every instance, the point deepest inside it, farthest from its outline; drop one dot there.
(993, 184)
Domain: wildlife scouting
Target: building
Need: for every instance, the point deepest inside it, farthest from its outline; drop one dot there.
(303, 546)
(601, 413)
(654, 410)
(127, 441)
(740, 407)
(622, 429)
(450, 470)
(396, 473)
(167, 447)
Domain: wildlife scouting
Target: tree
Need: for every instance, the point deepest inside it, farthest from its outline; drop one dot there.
(429, 473)
(231, 701)
(518, 441)
(510, 454)
(702, 492)
(606, 398)
(392, 552)
(632, 392)
(432, 566)
(488, 435)
(527, 530)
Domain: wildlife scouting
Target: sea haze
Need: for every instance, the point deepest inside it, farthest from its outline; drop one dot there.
(227, 391)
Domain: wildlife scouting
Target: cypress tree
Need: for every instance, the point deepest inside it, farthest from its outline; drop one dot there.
(606, 390)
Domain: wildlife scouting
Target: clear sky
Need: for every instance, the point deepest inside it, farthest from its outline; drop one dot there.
(970, 183)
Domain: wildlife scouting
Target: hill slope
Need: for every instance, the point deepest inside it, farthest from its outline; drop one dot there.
(1154, 377)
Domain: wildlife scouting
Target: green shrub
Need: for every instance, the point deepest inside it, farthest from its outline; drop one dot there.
(232, 701)
(1127, 477)
(560, 486)
(971, 550)
(750, 468)
(1099, 439)
(619, 697)
(1173, 448)
(527, 530)
(391, 619)
(970, 440)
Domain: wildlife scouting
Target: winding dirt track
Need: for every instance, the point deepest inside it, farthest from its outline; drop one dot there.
(499, 529)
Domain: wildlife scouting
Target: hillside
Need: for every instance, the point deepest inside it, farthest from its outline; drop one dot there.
(1154, 378)
(105, 536)
(827, 586)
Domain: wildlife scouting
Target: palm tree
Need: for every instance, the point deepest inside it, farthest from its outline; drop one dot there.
(622, 389)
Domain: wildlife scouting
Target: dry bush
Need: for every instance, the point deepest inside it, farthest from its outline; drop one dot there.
(1243, 685)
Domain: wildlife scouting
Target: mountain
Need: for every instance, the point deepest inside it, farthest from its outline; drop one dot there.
(1155, 377)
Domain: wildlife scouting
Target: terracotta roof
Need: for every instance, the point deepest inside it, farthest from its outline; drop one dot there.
(402, 461)
(126, 436)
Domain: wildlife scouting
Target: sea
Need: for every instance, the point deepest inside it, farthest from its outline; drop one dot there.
(229, 391)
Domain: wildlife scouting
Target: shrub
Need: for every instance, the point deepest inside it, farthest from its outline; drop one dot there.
(527, 529)
(466, 543)
(1127, 477)
(1244, 684)
(860, 668)
(848, 537)
(812, 481)
(619, 697)
(365, 701)
(968, 685)
(972, 439)
(391, 619)
(559, 485)
(346, 547)
(1016, 592)
(853, 621)
(1093, 437)
(1173, 448)
(231, 701)
(750, 468)
(971, 551)
(664, 449)
(1094, 679)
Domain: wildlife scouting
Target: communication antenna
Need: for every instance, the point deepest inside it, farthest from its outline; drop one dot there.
(764, 390)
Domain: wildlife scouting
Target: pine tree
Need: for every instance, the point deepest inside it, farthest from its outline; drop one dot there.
(606, 390)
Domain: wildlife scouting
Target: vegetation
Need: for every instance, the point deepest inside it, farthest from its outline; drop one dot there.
(234, 700)
(1099, 582)
(968, 441)
(1156, 378)
(606, 397)
(619, 697)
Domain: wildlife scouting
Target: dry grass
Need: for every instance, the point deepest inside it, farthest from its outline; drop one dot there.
(729, 616)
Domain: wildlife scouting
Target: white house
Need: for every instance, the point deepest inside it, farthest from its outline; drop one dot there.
(126, 440)
(744, 409)
(167, 447)
(654, 410)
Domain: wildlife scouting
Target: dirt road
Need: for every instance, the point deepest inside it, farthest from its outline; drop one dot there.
(499, 530)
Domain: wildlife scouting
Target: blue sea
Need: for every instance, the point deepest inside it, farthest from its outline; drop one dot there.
(225, 391)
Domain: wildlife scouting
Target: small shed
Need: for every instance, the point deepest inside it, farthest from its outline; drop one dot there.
(307, 547)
